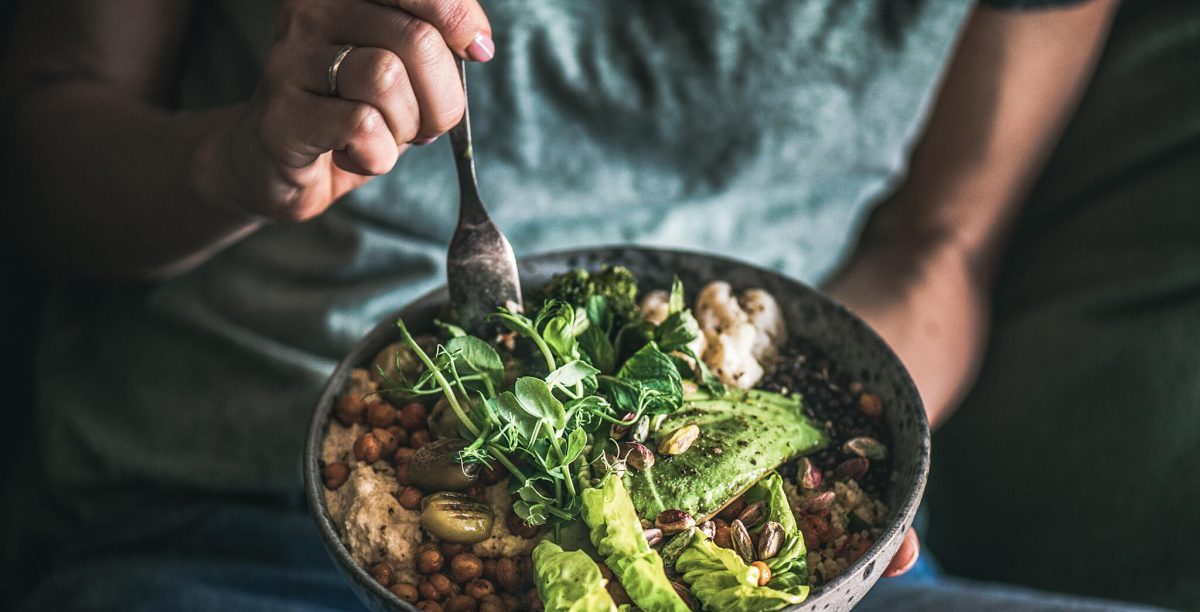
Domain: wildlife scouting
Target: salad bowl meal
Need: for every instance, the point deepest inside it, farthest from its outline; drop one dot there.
(656, 430)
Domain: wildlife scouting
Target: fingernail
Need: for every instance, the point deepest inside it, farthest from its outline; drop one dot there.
(482, 48)
(424, 141)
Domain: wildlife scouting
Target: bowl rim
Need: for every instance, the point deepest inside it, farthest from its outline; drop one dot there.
(322, 413)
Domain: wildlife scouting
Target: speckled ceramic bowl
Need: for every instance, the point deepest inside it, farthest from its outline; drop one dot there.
(833, 329)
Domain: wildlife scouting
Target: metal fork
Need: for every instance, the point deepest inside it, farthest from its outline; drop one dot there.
(481, 268)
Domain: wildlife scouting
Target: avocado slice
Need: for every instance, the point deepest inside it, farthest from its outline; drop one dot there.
(743, 436)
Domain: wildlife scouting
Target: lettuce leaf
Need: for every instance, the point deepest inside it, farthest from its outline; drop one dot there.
(616, 533)
(569, 581)
(722, 582)
(789, 568)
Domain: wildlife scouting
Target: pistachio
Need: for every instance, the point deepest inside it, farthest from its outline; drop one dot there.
(674, 521)
(675, 546)
(685, 594)
(852, 468)
(819, 503)
(753, 514)
(709, 529)
(641, 429)
(866, 446)
(770, 540)
(638, 456)
(436, 466)
(808, 476)
(653, 535)
(740, 539)
(456, 517)
(678, 441)
(870, 405)
(618, 430)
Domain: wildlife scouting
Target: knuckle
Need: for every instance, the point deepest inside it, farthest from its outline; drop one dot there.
(384, 72)
(425, 42)
(363, 121)
(306, 18)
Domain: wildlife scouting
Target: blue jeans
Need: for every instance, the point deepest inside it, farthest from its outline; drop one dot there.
(247, 557)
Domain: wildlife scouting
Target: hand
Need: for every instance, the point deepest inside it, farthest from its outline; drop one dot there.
(296, 149)
(906, 556)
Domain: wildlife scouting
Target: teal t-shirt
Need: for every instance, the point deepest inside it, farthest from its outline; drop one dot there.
(760, 130)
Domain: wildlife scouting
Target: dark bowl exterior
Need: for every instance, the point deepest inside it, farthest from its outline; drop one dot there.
(829, 326)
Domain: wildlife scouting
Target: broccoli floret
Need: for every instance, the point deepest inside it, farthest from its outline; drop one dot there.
(615, 283)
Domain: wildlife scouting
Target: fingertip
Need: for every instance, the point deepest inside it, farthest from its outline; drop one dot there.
(906, 557)
(482, 47)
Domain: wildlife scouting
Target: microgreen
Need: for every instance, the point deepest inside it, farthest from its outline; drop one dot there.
(589, 359)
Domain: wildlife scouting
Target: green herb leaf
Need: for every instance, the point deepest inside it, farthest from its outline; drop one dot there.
(451, 329)
(651, 370)
(537, 400)
(575, 443)
(676, 305)
(570, 374)
(473, 355)
(677, 331)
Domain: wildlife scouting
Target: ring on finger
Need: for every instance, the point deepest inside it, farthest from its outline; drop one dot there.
(331, 75)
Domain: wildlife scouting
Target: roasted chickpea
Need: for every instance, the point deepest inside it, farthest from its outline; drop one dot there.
(381, 414)
(382, 573)
(367, 448)
(414, 416)
(427, 545)
(518, 527)
(489, 570)
(401, 435)
(406, 591)
(525, 566)
(535, 601)
(512, 601)
(410, 498)
(465, 567)
(430, 561)
(387, 442)
(492, 603)
(479, 588)
(350, 409)
(403, 455)
(461, 603)
(418, 438)
(404, 474)
(335, 474)
(453, 549)
(508, 574)
(430, 606)
(436, 587)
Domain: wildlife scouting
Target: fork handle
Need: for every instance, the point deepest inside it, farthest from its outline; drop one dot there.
(470, 206)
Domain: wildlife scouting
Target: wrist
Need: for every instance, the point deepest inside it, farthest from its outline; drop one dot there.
(215, 177)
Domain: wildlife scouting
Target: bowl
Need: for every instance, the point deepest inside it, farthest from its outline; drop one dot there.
(810, 314)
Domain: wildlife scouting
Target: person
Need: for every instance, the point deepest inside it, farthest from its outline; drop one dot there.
(235, 191)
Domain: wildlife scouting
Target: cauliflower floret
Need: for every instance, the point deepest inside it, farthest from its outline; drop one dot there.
(763, 312)
(741, 332)
(656, 306)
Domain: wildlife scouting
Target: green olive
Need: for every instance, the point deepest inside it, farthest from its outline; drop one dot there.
(457, 518)
(435, 467)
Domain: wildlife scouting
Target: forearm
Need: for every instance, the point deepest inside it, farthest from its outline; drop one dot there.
(114, 187)
(924, 267)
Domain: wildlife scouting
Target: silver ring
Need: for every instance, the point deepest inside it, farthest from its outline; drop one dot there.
(332, 74)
